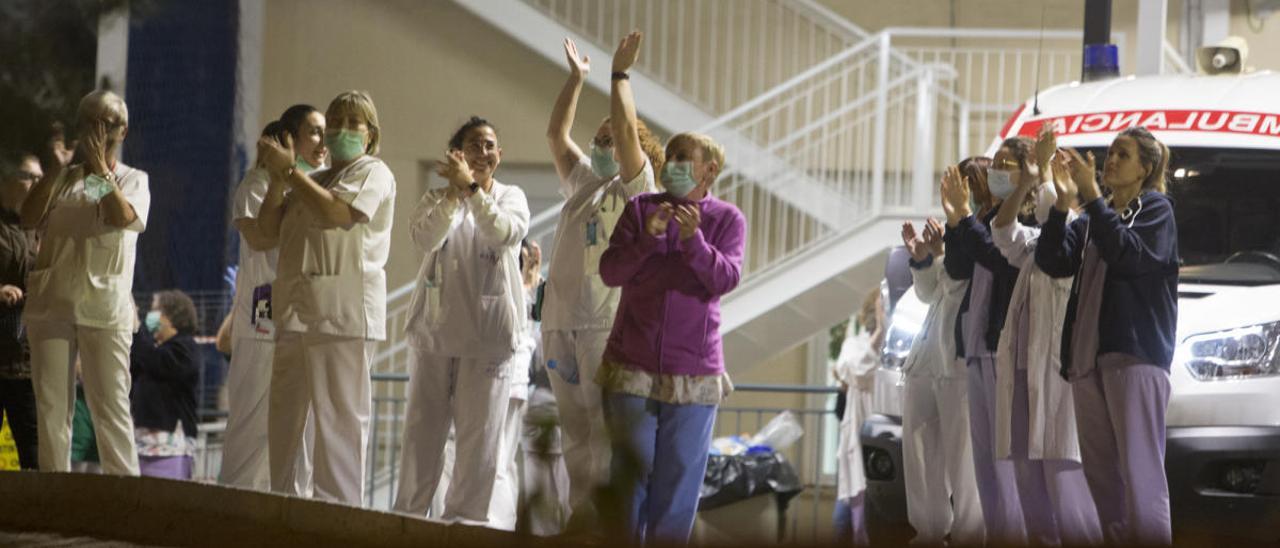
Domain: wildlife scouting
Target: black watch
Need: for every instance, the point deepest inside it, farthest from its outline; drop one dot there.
(474, 187)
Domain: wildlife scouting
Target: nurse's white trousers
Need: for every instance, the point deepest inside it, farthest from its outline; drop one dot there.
(473, 396)
(244, 450)
(330, 374)
(587, 446)
(937, 454)
(104, 369)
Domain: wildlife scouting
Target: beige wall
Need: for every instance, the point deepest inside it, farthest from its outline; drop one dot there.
(1264, 43)
(428, 65)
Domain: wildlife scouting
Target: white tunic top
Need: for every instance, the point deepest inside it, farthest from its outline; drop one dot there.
(469, 299)
(576, 298)
(84, 271)
(252, 313)
(332, 280)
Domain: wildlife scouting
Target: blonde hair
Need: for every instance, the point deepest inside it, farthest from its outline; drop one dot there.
(361, 104)
(711, 150)
(100, 102)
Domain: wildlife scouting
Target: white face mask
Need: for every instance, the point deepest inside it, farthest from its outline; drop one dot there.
(1046, 196)
(999, 182)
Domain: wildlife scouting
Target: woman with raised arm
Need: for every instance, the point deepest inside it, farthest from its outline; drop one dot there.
(466, 321)
(79, 296)
(1035, 412)
(942, 497)
(579, 308)
(1120, 326)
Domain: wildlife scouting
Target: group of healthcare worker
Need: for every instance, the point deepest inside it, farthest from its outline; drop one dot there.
(1041, 374)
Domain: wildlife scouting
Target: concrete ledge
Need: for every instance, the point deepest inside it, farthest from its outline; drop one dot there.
(180, 513)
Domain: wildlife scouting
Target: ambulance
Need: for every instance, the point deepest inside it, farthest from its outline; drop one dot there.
(1223, 437)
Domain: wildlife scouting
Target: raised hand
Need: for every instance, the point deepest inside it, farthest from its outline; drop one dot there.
(955, 195)
(1063, 182)
(656, 224)
(95, 149)
(1046, 145)
(276, 155)
(689, 217)
(579, 66)
(915, 245)
(454, 168)
(628, 51)
(1084, 173)
(933, 232)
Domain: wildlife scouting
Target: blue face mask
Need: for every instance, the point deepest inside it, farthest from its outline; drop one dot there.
(677, 177)
(152, 321)
(602, 162)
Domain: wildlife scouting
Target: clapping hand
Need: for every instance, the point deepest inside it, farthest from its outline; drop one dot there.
(656, 224)
(1063, 182)
(933, 232)
(955, 195)
(1084, 174)
(915, 245)
(456, 171)
(276, 155)
(689, 217)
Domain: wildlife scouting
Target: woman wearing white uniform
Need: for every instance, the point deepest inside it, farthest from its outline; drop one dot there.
(467, 319)
(942, 492)
(329, 297)
(79, 299)
(244, 451)
(579, 308)
(1035, 410)
(855, 370)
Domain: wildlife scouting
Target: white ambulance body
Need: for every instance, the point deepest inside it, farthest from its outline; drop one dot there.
(1223, 448)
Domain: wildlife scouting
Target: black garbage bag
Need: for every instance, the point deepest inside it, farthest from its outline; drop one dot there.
(731, 478)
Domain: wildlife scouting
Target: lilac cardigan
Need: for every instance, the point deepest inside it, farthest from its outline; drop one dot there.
(668, 318)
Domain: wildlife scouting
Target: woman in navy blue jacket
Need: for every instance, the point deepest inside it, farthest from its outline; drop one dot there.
(1120, 326)
(165, 364)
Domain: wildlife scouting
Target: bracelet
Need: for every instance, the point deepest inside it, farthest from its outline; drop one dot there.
(621, 76)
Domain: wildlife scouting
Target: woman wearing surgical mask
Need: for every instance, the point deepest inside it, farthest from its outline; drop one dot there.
(674, 255)
(466, 321)
(244, 455)
(165, 363)
(79, 296)
(1035, 410)
(578, 307)
(328, 301)
(972, 255)
(1120, 326)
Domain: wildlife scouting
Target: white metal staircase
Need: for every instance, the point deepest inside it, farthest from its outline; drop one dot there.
(833, 135)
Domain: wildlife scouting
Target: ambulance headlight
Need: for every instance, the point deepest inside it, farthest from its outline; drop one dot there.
(1245, 352)
(897, 343)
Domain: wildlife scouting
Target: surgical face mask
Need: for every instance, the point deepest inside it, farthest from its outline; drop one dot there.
(602, 162)
(346, 145)
(303, 165)
(677, 177)
(1046, 196)
(1000, 182)
(152, 321)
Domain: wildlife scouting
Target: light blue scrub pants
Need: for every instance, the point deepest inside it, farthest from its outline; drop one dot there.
(669, 443)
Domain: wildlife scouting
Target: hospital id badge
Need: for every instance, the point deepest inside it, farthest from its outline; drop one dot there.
(260, 313)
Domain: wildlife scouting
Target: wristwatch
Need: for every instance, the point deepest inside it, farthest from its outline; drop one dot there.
(474, 187)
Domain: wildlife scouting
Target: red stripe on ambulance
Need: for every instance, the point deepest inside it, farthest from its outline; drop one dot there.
(1215, 121)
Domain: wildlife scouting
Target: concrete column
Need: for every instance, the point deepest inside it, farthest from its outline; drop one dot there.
(1152, 15)
(113, 51)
